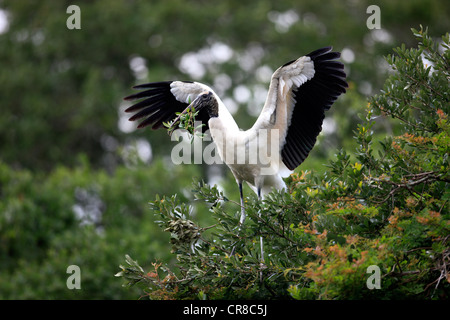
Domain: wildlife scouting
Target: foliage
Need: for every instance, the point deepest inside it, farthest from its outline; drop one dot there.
(62, 88)
(74, 185)
(386, 204)
(77, 217)
(185, 121)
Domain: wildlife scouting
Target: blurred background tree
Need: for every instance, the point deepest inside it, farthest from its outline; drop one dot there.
(75, 175)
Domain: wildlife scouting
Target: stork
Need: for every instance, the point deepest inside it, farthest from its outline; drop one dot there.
(300, 92)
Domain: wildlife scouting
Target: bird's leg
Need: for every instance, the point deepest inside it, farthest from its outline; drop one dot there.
(260, 237)
(243, 215)
(260, 240)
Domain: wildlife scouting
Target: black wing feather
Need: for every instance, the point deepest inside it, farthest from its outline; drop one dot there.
(313, 98)
(159, 105)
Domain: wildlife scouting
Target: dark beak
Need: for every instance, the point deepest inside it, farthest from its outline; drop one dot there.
(195, 105)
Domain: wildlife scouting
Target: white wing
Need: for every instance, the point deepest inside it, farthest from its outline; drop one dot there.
(299, 94)
(186, 91)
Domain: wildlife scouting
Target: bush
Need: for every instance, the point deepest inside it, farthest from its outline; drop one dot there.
(386, 204)
(78, 216)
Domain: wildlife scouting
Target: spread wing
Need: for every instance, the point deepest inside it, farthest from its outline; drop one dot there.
(300, 92)
(160, 101)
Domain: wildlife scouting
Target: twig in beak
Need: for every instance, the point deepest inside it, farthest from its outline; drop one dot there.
(172, 127)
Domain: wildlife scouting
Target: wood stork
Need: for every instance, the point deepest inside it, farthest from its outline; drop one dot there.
(299, 94)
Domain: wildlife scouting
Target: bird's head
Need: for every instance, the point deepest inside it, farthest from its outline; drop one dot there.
(206, 101)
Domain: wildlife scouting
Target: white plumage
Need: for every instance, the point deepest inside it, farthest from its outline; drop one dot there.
(283, 135)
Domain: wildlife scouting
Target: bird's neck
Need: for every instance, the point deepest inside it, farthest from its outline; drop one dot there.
(224, 121)
(223, 128)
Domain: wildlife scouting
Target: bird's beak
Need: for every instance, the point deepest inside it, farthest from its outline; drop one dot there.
(195, 105)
